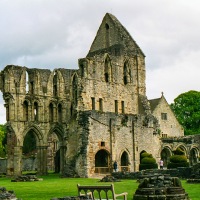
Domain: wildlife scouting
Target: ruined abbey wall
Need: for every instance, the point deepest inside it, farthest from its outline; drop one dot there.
(99, 113)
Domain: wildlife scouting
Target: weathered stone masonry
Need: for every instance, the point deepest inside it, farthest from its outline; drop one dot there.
(99, 112)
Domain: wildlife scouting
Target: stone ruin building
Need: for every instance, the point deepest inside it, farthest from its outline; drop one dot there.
(97, 114)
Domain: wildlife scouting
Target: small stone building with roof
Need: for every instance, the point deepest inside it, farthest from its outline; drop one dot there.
(98, 113)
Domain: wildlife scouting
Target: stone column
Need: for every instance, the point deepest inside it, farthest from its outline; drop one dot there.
(62, 158)
(42, 160)
(17, 161)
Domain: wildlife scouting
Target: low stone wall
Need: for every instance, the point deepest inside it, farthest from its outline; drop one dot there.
(28, 164)
(181, 172)
(3, 163)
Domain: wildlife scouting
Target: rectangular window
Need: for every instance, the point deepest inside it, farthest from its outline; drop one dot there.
(164, 116)
(93, 103)
(100, 104)
(116, 106)
(164, 135)
(103, 144)
(122, 104)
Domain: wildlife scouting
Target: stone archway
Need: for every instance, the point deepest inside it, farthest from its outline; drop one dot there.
(56, 150)
(194, 156)
(165, 155)
(38, 148)
(102, 161)
(53, 153)
(124, 161)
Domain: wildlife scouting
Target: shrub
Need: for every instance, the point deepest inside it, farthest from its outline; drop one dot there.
(148, 166)
(178, 159)
(175, 165)
(145, 154)
(178, 151)
(147, 162)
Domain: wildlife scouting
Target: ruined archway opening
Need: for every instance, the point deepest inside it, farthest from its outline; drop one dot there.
(25, 110)
(102, 160)
(51, 113)
(29, 152)
(165, 156)
(124, 161)
(193, 158)
(53, 154)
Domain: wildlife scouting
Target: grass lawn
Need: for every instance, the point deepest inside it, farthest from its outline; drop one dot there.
(53, 186)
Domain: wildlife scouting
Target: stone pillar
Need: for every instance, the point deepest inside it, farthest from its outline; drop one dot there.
(62, 158)
(42, 160)
(17, 161)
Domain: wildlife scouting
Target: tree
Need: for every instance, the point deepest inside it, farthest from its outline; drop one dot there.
(2, 140)
(187, 110)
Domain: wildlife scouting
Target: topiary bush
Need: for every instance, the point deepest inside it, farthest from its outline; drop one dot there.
(178, 159)
(147, 162)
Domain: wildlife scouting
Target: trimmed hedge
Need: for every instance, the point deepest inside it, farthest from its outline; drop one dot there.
(178, 151)
(145, 154)
(175, 165)
(178, 159)
(147, 162)
(148, 166)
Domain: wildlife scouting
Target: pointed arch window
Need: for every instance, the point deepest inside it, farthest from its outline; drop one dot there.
(126, 73)
(55, 87)
(35, 111)
(31, 89)
(107, 27)
(107, 70)
(59, 113)
(25, 110)
(51, 114)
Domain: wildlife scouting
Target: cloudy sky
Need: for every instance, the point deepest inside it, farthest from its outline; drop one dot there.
(56, 33)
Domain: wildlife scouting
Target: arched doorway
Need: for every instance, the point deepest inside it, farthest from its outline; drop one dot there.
(29, 152)
(102, 160)
(124, 162)
(165, 156)
(53, 153)
(193, 156)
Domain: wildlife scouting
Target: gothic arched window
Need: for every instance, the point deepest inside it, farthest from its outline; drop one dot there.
(55, 88)
(107, 70)
(35, 111)
(25, 110)
(126, 73)
(59, 112)
(51, 114)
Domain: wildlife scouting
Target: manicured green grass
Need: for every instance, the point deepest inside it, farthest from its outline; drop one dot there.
(53, 186)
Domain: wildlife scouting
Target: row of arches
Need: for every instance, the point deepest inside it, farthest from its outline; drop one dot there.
(192, 154)
(48, 154)
(54, 111)
(104, 164)
(127, 76)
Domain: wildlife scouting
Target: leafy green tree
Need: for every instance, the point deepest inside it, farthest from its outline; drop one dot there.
(187, 110)
(2, 140)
